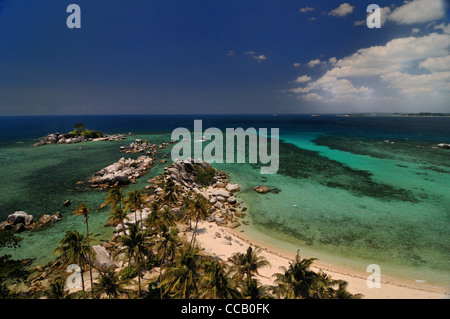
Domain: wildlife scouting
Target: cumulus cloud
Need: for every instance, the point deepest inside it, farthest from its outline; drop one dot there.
(419, 11)
(313, 63)
(436, 64)
(391, 57)
(343, 10)
(303, 79)
(422, 83)
(410, 66)
(306, 9)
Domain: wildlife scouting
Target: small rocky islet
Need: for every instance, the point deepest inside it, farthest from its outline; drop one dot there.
(224, 208)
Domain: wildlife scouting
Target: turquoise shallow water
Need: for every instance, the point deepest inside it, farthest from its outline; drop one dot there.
(40, 179)
(345, 194)
(394, 213)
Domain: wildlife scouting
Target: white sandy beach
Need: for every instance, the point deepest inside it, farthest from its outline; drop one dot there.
(391, 288)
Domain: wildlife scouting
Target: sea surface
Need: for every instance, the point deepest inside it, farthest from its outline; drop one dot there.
(352, 191)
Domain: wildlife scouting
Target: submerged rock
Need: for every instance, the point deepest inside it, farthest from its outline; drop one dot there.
(261, 189)
(20, 221)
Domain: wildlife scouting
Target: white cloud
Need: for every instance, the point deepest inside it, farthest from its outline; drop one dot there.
(419, 11)
(301, 89)
(391, 57)
(313, 63)
(422, 83)
(436, 64)
(306, 9)
(296, 65)
(256, 56)
(413, 69)
(443, 27)
(303, 79)
(343, 10)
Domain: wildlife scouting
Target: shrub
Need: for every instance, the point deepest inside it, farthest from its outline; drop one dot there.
(128, 273)
(204, 176)
(92, 134)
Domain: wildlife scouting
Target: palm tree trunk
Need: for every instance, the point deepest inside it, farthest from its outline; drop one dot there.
(89, 259)
(194, 233)
(123, 227)
(160, 273)
(139, 281)
(82, 279)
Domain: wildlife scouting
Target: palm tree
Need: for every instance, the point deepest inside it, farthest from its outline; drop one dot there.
(74, 248)
(255, 290)
(115, 197)
(247, 264)
(297, 281)
(186, 208)
(135, 248)
(170, 191)
(56, 290)
(199, 210)
(181, 280)
(83, 210)
(134, 202)
(118, 215)
(153, 217)
(110, 284)
(166, 247)
(167, 218)
(325, 288)
(342, 293)
(5, 293)
(216, 282)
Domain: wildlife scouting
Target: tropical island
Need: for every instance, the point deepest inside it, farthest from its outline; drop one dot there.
(155, 252)
(79, 134)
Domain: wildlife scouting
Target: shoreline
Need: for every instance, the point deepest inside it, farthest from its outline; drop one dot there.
(391, 288)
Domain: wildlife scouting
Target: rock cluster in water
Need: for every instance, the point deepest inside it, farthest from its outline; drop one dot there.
(139, 146)
(220, 194)
(21, 221)
(58, 138)
(123, 172)
(443, 145)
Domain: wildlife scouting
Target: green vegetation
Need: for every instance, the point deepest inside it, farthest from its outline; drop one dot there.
(10, 269)
(205, 176)
(128, 273)
(178, 267)
(79, 129)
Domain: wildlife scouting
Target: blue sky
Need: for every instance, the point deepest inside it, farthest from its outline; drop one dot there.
(223, 56)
